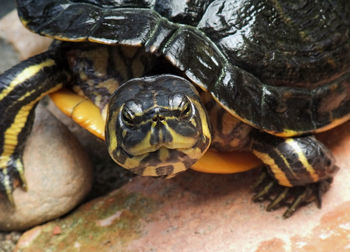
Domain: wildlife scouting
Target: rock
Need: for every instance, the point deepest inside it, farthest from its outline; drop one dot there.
(58, 173)
(8, 55)
(107, 174)
(202, 212)
(8, 241)
(91, 143)
(12, 31)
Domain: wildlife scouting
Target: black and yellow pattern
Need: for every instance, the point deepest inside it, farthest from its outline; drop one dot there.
(294, 161)
(21, 88)
(161, 131)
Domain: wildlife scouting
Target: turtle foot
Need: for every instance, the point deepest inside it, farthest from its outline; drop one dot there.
(267, 188)
(11, 176)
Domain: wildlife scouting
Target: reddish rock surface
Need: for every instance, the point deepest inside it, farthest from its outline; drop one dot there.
(203, 212)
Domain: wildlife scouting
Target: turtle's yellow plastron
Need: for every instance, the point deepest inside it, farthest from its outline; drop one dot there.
(226, 162)
(87, 115)
(81, 110)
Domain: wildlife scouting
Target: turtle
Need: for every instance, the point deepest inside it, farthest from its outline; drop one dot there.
(173, 77)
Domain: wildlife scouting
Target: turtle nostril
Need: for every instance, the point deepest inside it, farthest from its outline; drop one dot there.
(158, 118)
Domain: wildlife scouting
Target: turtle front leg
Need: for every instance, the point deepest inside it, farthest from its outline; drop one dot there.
(21, 87)
(298, 170)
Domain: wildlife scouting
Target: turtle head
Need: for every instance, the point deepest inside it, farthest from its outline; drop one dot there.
(156, 126)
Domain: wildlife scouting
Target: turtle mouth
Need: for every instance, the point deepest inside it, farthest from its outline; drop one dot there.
(166, 161)
(144, 150)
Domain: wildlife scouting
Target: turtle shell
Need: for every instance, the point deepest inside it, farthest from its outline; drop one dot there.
(280, 66)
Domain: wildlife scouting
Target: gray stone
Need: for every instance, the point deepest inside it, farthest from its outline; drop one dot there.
(107, 174)
(8, 56)
(58, 173)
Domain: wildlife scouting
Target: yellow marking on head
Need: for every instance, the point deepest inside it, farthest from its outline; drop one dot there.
(194, 153)
(278, 173)
(144, 146)
(11, 133)
(104, 112)
(179, 141)
(303, 159)
(161, 137)
(24, 75)
(150, 171)
(133, 162)
(163, 154)
(203, 119)
(193, 121)
(124, 132)
(178, 167)
(113, 142)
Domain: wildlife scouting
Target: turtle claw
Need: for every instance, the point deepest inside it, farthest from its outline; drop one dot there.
(299, 200)
(10, 177)
(260, 196)
(274, 204)
(260, 180)
(267, 188)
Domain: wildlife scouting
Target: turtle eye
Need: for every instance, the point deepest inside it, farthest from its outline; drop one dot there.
(128, 117)
(182, 104)
(130, 111)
